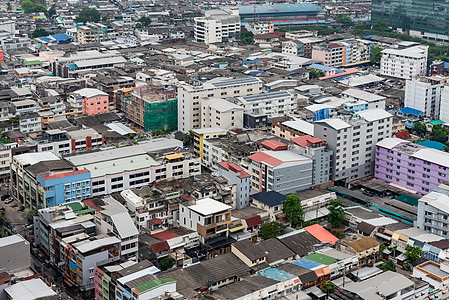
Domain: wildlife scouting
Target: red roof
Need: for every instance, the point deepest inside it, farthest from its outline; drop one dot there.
(66, 174)
(269, 35)
(306, 140)
(230, 166)
(274, 145)
(402, 134)
(253, 221)
(90, 204)
(156, 221)
(160, 246)
(346, 72)
(263, 157)
(165, 235)
(322, 234)
(234, 168)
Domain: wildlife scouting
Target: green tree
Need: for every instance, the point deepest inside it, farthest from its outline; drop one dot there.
(29, 6)
(166, 263)
(389, 265)
(8, 6)
(40, 32)
(359, 26)
(30, 214)
(314, 73)
(438, 134)
(271, 230)
(293, 210)
(328, 287)
(376, 54)
(380, 25)
(419, 128)
(88, 14)
(143, 22)
(247, 38)
(344, 20)
(52, 11)
(413, 254)
(336, 215)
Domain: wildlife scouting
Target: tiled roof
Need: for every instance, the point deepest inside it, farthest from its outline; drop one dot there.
(253, 221)
(161, 246)
(270, 198)
(263, 157)
(403, 134)
(165, 235)
(306, 140)
(66, 174)
(274, 145)
(363, 244)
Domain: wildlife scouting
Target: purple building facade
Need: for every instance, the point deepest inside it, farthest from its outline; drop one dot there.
(410, 166)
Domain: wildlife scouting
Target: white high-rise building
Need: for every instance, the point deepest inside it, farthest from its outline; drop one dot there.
(217, 26)
(190, 98)
(424, 94)
(404, 63)
(444, 106)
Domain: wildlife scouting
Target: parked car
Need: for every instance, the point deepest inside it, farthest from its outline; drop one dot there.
(9, 200)
(5, 197)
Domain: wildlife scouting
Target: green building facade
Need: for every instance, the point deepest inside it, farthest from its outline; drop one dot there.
(161, 115)
(427, 19)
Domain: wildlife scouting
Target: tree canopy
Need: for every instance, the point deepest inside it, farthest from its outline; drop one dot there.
(376, 54)
(52, 11)
(314, 73)
(438, 134)
(88, 14)
(247, 38)
(271, 230)
(413, 254)
(143, 22)
(344, 20)
(29, 6)
(336, 214)
(328, 287)
(40, 32)
(419, 128)
(293, 210)
(166, 263)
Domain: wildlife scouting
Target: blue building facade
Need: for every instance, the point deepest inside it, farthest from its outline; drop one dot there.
(64, 187)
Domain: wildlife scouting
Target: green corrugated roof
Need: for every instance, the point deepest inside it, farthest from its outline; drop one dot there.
(322, 259)
(408, 199)
(75, 206)
(31, 62)
(85, 211)
(152, 284)
(435, 122)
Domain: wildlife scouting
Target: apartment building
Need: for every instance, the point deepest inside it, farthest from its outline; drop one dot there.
(240, 178)
(404, 63)
(433, 212)
(92, 33)
(221, 113)
(410, 165)
(352, 142)
(46, 180)
(217, 26)
(357, 97)
(135, 166)
(30, 122)
(315, 148)
(5, 161)
(301, 47)
(210, 218)
(271, 104)
(331, 54)
(283, 171)
(151, 108)
(444, 106)
(189, 97)
(114, 219)
(89, 101)
(425, 95)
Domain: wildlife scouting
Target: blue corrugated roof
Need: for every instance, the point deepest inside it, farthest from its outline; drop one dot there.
(251, 61)
(339, 71)
(46, 39)
(446, 65)
(276, 274)
(368, 36)
(432, 144)
(73, 66)
(256, 73)
(306, 263)
(279, 8)
(61, 37)
(320, 67)
(409, 110)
